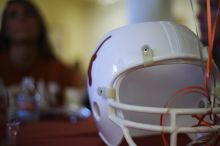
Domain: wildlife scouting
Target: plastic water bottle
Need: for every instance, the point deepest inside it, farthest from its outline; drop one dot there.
(27, 105)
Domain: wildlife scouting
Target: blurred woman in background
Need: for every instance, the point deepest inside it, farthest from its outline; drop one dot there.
(26, 52)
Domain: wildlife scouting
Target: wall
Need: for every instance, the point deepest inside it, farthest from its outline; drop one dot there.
(66, 21)
(75, 26)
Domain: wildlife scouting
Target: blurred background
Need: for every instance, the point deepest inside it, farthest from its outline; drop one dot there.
(75, 26)
(40, 85)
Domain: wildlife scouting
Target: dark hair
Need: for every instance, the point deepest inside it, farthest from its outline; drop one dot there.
(42, 40)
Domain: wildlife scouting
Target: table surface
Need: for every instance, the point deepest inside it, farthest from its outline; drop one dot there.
(63, 133)
(59, 133)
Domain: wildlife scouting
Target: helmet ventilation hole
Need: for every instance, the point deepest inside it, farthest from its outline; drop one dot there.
(203, 103)
(96, 110)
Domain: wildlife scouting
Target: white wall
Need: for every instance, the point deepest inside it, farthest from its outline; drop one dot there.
(148, 10)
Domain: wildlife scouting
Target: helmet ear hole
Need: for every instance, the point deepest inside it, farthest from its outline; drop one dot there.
(96, 110)
(203, 103)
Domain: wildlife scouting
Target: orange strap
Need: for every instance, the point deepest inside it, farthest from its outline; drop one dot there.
(211, 35)
(197, 89)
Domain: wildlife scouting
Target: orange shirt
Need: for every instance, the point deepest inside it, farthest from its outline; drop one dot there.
(49, 71)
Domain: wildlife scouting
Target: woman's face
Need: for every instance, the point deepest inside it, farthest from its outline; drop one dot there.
(21, 23)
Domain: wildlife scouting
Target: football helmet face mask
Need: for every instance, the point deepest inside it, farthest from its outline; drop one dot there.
(133, 74)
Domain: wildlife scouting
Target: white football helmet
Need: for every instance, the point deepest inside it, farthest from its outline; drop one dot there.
(135, 71)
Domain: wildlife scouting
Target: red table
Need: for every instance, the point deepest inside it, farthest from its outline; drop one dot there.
(63, 133)
(59, 133)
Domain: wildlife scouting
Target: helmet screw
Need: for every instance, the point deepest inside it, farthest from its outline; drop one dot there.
(100, 91)
(146, 48)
